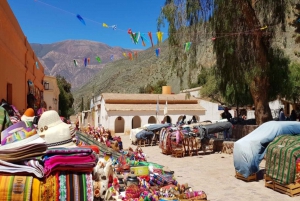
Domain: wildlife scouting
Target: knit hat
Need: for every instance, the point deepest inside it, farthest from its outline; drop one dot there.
(29, 112)
(28, 115)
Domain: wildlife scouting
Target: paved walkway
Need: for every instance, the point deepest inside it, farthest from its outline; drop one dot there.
(212, 173)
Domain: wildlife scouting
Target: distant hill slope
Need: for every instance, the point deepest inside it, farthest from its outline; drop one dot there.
(126, 76)
(57, 58)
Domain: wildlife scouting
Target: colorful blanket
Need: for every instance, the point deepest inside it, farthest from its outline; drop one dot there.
(281, 157)
(15, 187)
(64, 186)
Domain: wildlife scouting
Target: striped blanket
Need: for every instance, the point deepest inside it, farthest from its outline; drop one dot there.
(281, 157)
(15, 187)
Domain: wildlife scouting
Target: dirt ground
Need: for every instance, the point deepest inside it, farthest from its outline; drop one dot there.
(213, 173)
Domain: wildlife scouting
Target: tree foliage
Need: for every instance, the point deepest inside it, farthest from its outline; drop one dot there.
(153, 89)
(66, 99)
(248, 65)
(293, 93)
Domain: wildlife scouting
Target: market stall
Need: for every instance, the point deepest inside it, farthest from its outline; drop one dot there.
(46, 162)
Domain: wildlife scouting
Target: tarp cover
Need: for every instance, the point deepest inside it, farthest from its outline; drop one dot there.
(281, 157)
(215, 128)
(249, 151)
(144, 134)
(157, 127)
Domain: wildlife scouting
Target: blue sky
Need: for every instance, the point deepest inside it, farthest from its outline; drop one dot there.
(49, 21)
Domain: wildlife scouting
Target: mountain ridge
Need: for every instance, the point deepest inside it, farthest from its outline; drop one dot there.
(58, 58)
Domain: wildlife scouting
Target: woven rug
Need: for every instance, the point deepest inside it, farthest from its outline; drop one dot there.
(15, 187)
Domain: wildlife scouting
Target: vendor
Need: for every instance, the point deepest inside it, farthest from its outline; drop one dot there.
(226, 114)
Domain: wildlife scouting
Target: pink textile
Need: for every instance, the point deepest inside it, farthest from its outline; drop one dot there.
(69, 161)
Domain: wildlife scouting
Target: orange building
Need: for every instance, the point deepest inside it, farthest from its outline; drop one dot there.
(22, 75)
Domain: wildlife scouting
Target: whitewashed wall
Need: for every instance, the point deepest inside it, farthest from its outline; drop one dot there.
(212, 112)
(275, 107)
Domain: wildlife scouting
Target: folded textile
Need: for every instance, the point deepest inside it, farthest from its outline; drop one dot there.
(66, 151)
(15, 187)
(69, 161)
(23, 149)
(11, 168)
(75, 187)
(73, 169)
(49, 188)
(36, 186)
(23, 153)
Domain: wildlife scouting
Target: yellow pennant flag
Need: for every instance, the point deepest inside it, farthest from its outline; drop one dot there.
(159, 36)
(262, 28)
(105, 25)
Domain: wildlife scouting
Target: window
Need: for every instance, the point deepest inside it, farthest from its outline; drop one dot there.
(9, 93)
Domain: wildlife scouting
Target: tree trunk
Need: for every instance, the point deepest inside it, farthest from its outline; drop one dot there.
(258, 90)
(260, 83)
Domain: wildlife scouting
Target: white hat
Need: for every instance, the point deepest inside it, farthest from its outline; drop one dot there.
(55, 132)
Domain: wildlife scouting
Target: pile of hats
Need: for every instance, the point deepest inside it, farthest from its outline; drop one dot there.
(41, 162)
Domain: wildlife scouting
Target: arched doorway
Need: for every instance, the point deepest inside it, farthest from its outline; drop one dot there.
(152, 120)
(167, 119)
(119, 125)
(180, 118)
(136, 122)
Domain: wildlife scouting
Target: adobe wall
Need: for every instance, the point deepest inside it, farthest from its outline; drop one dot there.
(17, 60)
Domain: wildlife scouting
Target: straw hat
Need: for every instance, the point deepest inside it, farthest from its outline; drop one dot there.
(55, 132)
(28, 115)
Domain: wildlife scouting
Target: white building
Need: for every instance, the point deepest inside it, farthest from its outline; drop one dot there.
(51, 93)
(212, 112)
(122, 112)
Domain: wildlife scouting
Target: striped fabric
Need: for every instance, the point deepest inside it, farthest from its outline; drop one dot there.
(15, 187)
(281, 158)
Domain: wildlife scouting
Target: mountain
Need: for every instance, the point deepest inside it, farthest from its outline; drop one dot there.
(57, 58)
(128, 76)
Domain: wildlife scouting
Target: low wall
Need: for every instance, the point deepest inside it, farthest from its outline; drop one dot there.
(240, 131)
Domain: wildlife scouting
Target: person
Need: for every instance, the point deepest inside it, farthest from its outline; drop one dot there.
(226, 114)
(281, 115)
(194, 120)
(183, 119)
(42, 109)
(293, 116)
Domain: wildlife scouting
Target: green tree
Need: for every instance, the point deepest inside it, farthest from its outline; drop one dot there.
(66, 99)
(244, 50)
(294, 92)
(153, 89)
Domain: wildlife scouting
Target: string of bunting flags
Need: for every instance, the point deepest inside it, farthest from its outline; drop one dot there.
(140, 36)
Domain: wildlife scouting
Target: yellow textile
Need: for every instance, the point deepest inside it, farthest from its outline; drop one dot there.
(49, 188)
(36, 188)
(15, 188)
